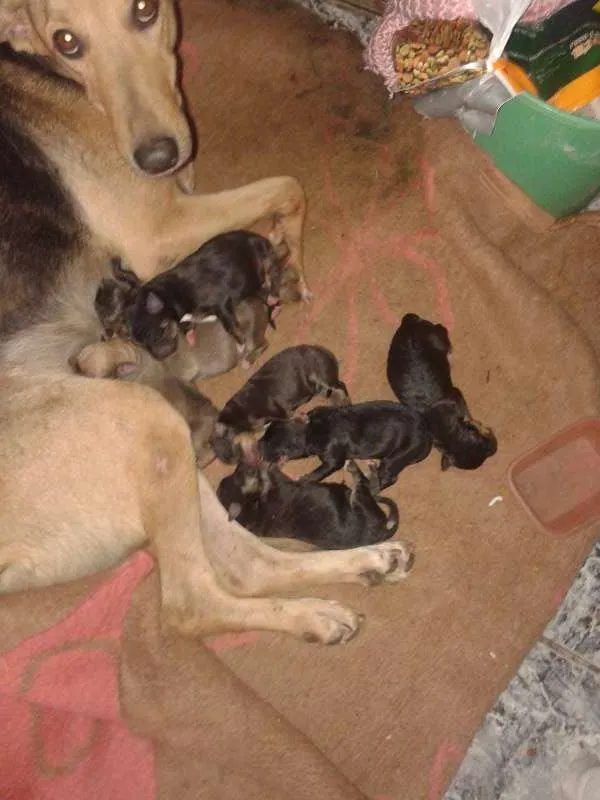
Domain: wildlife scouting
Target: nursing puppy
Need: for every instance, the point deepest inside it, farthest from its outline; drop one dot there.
(211, 351)
(330, 516)
(123, 360)
(211, 281)
(418, 371)
(395, 435)
(285, 382)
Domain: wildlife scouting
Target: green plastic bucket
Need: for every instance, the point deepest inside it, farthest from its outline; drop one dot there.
(553, 156)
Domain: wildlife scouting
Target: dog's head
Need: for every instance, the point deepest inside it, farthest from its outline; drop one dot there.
(235, 447)
(151, 324)
(464, 443)
(283, 440)
(423, 332)
(241, 492)
(123, 54)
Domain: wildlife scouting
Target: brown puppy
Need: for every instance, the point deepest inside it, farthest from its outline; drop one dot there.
(285, 382)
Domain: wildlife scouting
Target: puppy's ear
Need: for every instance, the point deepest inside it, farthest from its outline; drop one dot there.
(123, 275)
(447, 461)
(234, 510)
(438, 338)
(154, 303)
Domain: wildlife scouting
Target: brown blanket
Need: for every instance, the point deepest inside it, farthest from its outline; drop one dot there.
(405, 215)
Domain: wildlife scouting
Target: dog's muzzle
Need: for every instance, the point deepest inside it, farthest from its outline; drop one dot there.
(156, 156)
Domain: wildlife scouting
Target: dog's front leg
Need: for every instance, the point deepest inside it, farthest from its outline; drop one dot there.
(195, 218)
(249, 567)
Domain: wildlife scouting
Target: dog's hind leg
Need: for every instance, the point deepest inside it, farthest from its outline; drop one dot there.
(391, 466)
(249, 567)
(336, 392)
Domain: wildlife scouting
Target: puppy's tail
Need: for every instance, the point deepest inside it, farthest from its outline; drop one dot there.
(393, 517)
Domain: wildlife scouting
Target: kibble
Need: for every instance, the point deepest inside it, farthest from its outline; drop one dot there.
(427, 49)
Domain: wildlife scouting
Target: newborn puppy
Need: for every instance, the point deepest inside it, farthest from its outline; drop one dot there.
(394, 434)
(210, 353)
(418, 371)
(124, 360)
(328, 515)
(212, 281)
(284, 383)
(214, 351)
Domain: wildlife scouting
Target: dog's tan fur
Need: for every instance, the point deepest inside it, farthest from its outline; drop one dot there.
(94, 469)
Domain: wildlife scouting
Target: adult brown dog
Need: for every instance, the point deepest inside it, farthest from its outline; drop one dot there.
(94, 141)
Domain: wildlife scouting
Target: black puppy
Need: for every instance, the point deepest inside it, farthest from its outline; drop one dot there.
(284, 383)
(418, 371)
(328, 515)
(395, 434)
(211, 281)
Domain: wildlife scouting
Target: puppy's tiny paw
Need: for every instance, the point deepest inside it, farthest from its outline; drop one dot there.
(392, 562)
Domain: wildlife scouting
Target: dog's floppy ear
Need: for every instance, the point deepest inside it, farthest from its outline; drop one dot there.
(17, 27)
(154, 303)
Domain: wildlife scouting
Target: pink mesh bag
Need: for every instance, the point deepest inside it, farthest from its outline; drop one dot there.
(379, 55)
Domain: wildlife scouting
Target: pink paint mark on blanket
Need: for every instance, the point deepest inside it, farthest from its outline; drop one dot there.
(61, 734)
(362, 241)
(447, 754)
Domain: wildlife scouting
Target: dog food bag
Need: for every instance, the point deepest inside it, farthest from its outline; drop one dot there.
(557, 58)
(430, 54)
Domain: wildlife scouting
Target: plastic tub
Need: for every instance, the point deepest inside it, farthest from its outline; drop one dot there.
(558, 482)
(553, 156)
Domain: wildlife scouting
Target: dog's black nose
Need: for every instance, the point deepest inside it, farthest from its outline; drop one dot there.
(157, 155)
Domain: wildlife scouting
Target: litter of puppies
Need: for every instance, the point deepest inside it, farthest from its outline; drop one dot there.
(209, 314)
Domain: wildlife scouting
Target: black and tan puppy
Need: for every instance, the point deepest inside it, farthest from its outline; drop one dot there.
(211, 281)
(418, 371)
(395, 435)
(328, 515)
(285, 382)
(212, 352)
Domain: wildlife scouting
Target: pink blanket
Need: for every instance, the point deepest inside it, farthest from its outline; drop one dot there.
(60, 736)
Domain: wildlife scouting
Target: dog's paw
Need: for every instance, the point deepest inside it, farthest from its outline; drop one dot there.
(325, 621)
(391, 562)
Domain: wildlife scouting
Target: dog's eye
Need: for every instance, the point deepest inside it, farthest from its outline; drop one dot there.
(67, 43)
(145, 12)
